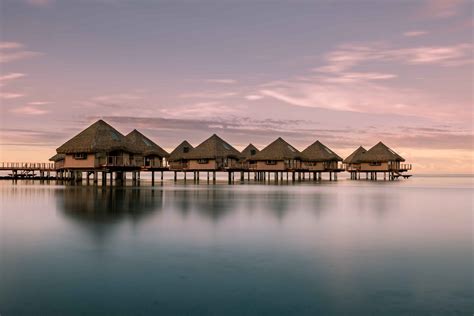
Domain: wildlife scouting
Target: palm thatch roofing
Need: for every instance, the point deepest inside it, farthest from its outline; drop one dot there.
(380, 153)
(57, 157)
(319, 152)
(214, 147)
(249, 151)
(99, 137)
(278, 150)
(147, 146)
(353, 158)
(181, 152)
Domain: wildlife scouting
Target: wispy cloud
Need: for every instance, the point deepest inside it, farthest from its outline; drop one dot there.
(29, 110)
(38, 103)
(222, 81)
(12, 51)
(442, 8)
(209, 95)
(40, 3)
(200, 110)
(9, 95)
(10, 45)
(414, 33)
(11, 76)
(346, 57)
(254, 97)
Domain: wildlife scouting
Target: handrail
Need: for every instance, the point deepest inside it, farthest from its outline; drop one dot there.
(28, 165)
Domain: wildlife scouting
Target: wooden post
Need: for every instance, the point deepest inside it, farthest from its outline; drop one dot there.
(152, 177)
(175, 176)
(185, 176)
(161, 176)
(214, 176)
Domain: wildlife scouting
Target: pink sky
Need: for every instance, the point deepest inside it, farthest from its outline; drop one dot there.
(348, 74)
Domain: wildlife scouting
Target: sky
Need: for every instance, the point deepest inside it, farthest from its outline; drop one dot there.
(347, 73)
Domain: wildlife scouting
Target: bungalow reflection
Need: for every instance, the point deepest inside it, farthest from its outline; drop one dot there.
(108, 205)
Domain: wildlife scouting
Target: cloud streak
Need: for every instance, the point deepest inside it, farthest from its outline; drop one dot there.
(13, 51)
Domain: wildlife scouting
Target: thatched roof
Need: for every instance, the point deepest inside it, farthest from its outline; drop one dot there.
(212, 148)
(57, 157)
(146, 146)
(278, 150)
(181, 152)
(353, 158)
(319, 152)
(249, 151)
(99, 137)
(380, 153)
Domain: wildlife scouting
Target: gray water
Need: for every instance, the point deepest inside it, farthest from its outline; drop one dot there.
(334, 248)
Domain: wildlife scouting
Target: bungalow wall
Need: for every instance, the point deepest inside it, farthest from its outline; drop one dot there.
(278, 165)
(319, 165)
(79, 161)
(367, 166)
(203, 164)
(151, 161)
(178, 165)
(59, 164)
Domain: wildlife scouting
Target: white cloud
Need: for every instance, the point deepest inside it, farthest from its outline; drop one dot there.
(202, 110)
(40, 3)
(11, 51)
(442, 8)
(10, 45)
(208, 95)
(11, 76)
(223, 81)
(38, 103)
(253, 97)
(9, 95)
(414, 33)
(363, 96)
(358, 76)
(29, 110)
(349, 56)
(117, 98)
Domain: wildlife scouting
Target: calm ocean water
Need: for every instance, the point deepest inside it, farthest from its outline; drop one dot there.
(340, 248)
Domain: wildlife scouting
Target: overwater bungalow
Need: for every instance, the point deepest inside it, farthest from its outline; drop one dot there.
(151, 155)
(351, 163)
(247, 154)
(318, 157)
(277, 156)
(99, 145)
(379, 158)
(178, 158)
(214, 154)
(58, 160)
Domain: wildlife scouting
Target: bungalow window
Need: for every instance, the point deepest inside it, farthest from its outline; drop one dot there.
(80, 156)
(271, 162)
(203, 161)
(252, 152)
(185, 149)
(375, 163)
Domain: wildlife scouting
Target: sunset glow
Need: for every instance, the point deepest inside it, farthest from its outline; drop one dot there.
(333, 71)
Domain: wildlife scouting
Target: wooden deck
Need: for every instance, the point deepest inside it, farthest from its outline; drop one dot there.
(108, 173)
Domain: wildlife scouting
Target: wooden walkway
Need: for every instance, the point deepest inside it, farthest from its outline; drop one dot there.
(47, 171)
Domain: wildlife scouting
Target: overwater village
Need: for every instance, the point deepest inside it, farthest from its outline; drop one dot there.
(101, 154)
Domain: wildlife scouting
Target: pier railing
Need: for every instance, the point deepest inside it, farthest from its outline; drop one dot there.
(405, 166)
(27, 165)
